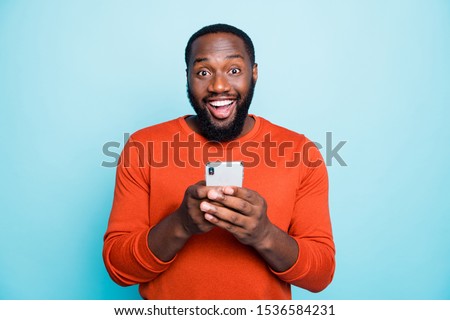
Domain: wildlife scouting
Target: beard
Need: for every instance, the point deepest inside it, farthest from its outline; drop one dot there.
(229, 132)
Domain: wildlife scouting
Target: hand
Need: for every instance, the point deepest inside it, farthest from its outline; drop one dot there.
(169, 236)
(241, 211)
(192, 218)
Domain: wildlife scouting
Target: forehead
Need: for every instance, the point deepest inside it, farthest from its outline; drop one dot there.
(217, 46)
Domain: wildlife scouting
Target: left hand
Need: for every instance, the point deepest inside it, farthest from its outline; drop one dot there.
(241, 211)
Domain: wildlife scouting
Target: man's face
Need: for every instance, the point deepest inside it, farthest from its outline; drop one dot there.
(220, 85)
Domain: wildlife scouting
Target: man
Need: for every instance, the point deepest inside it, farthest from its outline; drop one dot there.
(180, 239)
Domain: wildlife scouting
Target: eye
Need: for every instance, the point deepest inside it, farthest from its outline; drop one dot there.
(203, 73)
(235, 71)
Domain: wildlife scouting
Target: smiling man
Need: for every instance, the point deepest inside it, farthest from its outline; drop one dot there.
(180, 239)
(222, 75)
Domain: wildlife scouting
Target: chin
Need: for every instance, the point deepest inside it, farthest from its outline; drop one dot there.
(222, 124)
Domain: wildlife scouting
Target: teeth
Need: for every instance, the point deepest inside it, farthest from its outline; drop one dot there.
(221, 103)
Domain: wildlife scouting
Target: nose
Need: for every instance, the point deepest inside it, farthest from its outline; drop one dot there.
(219, 84)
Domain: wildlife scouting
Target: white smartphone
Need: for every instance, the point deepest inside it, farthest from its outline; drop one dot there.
(224, 173)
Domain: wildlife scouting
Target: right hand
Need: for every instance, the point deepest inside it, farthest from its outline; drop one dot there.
(192, 218)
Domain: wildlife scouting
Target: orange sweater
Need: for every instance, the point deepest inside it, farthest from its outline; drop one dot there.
(155, 168)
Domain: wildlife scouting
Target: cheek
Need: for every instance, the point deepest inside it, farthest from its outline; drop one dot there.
(242, 86)
(198, 88)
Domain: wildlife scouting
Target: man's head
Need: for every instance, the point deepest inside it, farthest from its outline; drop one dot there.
(221, 76)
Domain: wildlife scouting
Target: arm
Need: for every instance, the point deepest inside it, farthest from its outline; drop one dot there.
(304, 256)
(126, 255)
(170, 235)
(243, 213)
(311, 227)
(133, 252)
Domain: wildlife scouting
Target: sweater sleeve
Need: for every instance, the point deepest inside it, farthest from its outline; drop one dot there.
(126, 254)
(311, 227)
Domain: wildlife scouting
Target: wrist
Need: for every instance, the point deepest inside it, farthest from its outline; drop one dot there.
(182, 232)
(266, 242)
(278, 249)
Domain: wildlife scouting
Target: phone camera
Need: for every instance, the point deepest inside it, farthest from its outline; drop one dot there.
(211, 171)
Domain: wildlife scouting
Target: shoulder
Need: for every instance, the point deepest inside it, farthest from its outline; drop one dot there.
(286, 139)
(280, 133)
(158, 131)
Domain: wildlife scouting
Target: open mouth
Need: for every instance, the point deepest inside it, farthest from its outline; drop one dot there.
(221, 109)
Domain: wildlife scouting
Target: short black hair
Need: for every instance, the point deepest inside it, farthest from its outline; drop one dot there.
(221, 28)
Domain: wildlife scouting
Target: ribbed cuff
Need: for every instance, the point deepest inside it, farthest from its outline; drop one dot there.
(146, 257)
(299, 269)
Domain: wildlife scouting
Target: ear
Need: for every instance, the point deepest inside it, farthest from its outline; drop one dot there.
(255, 72)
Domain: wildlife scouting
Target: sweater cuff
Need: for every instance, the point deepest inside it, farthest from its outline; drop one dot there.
(146, 256)
(298, 270)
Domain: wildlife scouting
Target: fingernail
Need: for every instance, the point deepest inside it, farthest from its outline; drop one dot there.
(228, 190)
(204, 206)
(214, 194)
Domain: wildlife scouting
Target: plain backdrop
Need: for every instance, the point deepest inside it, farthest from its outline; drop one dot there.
(75, 75)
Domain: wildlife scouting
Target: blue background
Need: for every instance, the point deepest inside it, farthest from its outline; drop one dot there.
(77, 74)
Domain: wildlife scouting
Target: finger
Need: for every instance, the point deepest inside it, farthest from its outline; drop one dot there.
(215, 203)
(201, 183)
(233, 202)
(243, 193)
(208, 207)
(216, 193)
(224, 214)
(212, 192)
(199, 190)
(234, 229)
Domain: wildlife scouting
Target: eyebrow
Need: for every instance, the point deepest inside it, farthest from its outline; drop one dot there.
(229, 57)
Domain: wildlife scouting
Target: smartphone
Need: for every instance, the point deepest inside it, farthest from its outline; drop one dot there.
(224, 173)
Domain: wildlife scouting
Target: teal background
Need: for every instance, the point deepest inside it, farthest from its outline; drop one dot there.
(77, 74)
